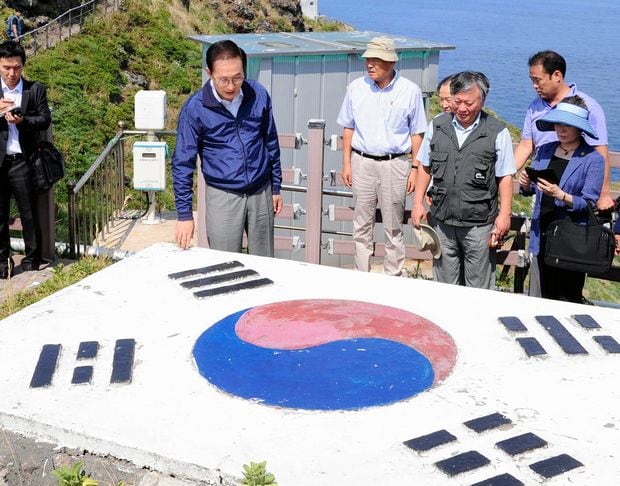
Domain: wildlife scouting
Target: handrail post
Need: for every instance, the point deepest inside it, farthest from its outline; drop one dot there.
(314, 196)
(72, 218)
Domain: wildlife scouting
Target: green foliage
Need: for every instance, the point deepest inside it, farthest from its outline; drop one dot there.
(255, 474)
(61, 277)
(88, 85)
(73, 476)
(323, 25)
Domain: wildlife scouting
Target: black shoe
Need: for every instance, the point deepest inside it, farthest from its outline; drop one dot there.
(6, 271)
(29, 266)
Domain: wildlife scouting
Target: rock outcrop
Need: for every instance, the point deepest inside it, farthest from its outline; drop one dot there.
(245, 16)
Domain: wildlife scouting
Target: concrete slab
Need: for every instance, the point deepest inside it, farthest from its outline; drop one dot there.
(132, 234)
(172, 418)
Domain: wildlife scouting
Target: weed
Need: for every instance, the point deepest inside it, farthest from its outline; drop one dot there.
(73, 476)
(61, 277)
(255, 474)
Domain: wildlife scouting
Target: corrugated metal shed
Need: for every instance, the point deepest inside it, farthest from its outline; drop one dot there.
(307, 75)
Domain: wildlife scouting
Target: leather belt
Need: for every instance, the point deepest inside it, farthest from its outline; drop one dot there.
(13, 157)
(379, 157)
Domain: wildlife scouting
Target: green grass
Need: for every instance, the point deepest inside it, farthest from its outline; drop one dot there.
(62, 276)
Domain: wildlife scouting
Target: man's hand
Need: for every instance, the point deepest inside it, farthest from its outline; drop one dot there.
(502, 226)
(184, 233)
(618, 245)
(418, 213)
(277, 204)
(14, 119)
(347, 174)
(605, 202)
(411, 181)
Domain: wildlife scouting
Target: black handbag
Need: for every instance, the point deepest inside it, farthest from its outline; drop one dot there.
(587, 248)
(48, 166)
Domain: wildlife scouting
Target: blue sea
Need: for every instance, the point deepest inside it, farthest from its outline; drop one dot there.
(497, 37)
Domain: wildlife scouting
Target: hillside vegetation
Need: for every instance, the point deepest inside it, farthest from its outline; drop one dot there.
(92, 77)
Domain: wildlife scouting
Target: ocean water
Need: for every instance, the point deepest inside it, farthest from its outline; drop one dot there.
(497, 37)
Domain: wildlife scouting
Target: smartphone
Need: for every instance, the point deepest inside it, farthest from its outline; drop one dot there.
(16, 111)
(546, 174)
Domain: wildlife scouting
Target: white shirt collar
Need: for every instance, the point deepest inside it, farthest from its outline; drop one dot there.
(237, 99)
(457, 123)
(17, 89)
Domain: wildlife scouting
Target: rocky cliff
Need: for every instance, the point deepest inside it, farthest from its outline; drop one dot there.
(245, 16)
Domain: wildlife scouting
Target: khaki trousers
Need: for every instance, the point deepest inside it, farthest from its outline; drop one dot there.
(384, 183)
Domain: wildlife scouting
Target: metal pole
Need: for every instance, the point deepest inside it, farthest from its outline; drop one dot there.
(72, 218)
(314, 198)
(151, 215)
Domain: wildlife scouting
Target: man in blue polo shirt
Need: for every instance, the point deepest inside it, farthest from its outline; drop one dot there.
(547, 72)
(383, 120)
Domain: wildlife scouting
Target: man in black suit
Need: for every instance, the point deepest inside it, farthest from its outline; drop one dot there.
(24, 113)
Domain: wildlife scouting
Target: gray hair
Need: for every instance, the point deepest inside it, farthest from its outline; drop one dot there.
(466, 80)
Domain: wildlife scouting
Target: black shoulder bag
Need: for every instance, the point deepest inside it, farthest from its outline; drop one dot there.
(48, 166)
(577, 247)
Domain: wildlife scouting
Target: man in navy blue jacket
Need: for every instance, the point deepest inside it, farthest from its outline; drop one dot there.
(229, 124)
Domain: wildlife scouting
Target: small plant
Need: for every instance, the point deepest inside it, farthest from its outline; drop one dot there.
(73, 476)
(256, 475)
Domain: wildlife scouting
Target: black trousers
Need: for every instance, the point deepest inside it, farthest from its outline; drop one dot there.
(16, 181)
(558, 284)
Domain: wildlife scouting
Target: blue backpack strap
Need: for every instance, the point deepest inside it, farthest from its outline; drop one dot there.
(9, 25)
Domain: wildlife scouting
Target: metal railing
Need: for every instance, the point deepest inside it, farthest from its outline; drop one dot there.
(97, 197)
(66, 24)
(97, 200)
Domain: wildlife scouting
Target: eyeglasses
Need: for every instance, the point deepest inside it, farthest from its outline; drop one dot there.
(223, 82)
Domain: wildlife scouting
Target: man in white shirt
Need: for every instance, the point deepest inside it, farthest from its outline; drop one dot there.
(383, 119)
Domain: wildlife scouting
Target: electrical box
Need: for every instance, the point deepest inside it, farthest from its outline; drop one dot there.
(149, 166)
(150, 110)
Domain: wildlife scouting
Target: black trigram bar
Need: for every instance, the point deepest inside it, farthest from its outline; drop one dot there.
(608, 343)
(513, 324)
(488, 422)
(122, 366)
(531, 346)
(201, 271)
(501, 480)
(555, 466)
(467, 461)
(88, 350)
(82, 374)
(216, 279)
(565, 339)
(430, 441)
(252, 284)
(586, 321)
(46, 366)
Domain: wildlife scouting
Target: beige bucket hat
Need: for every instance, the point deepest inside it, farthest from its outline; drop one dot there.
(381, 48)
(426, 238)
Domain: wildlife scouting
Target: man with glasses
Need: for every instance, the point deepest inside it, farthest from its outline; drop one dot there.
(547, 74)
(229, 124)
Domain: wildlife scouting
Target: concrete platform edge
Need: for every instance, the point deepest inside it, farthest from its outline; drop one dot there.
(71, 439)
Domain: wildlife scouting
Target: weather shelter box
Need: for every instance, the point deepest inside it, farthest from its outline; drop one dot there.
(307, 75)
(149, 166)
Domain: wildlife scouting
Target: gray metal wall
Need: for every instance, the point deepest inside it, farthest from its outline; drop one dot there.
(313, 86)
